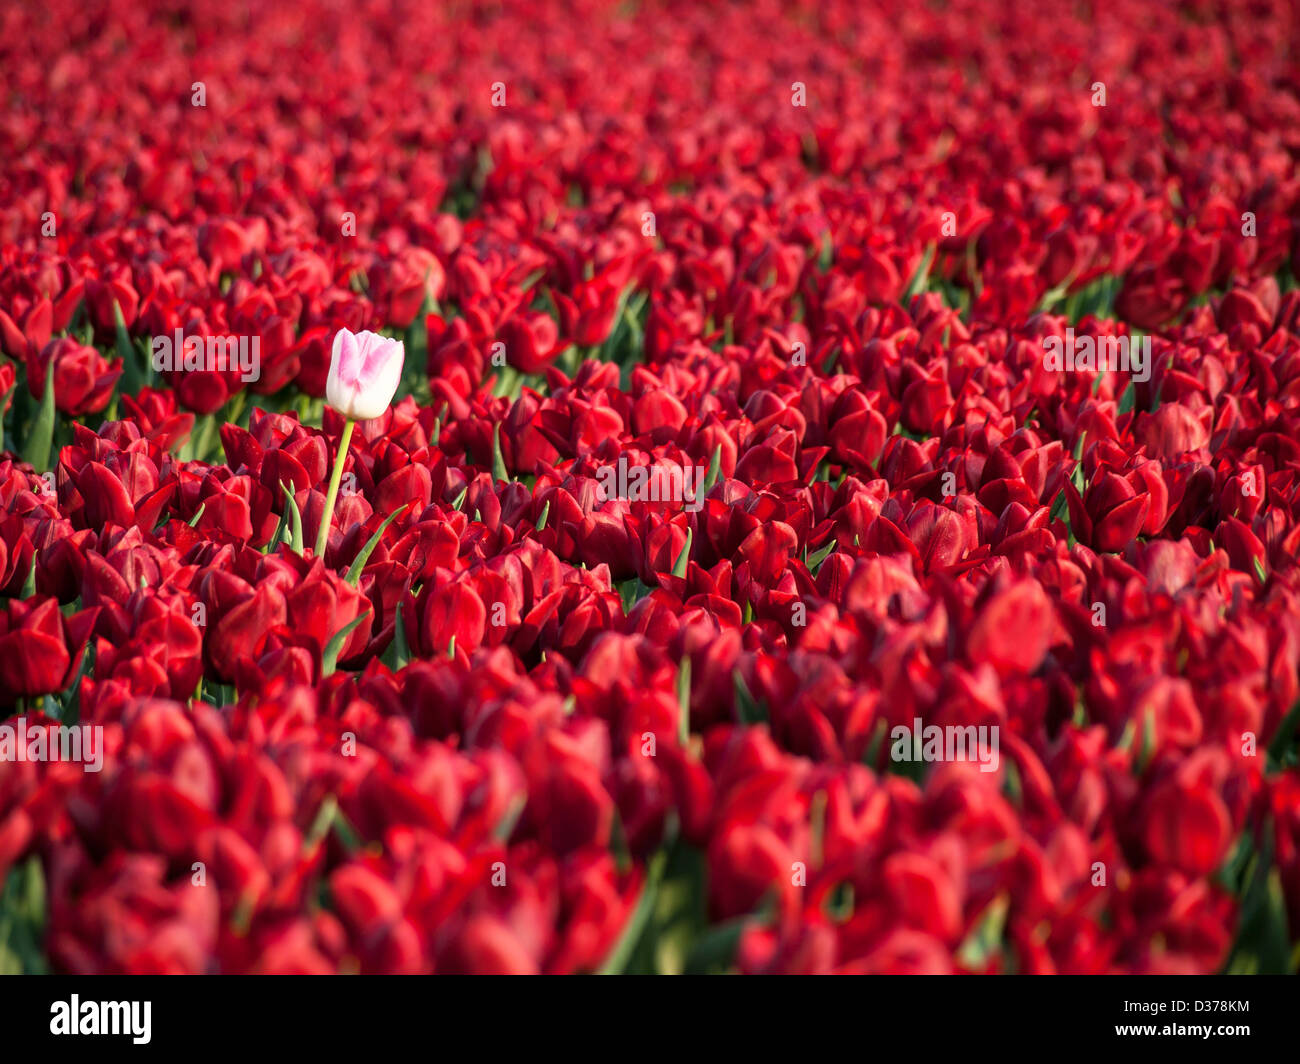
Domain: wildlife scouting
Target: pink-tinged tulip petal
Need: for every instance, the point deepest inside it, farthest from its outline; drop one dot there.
(365, 369)
(1014, 630)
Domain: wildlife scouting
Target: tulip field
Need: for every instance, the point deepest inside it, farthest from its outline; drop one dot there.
(649, 486)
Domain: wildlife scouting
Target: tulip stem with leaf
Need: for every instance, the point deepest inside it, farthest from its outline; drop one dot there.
(365, 369)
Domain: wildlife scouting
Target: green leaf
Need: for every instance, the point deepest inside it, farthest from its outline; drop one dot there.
(1232, 876)
(1012, 787)
(815, 561)
(609, 348)
(363, 556)
(329, 660)
(347, 835)
(1078, 456)
(498, 459)
(505, 827)
(321, 824)
(71, 713)
(631, 592)
(715, 950)
(281, 525)
(398, 654)
(832, 357)
(4, 405)
(839, 904)
(715, 469)
(198, 445)
(198, 514)
(508, 380)
(817, 828)
(1284, 738)
(826, 254)
(1060, 508)
(917, 284)
(546, 512)
(872, 754)
(22, 920)
(985, 939)
(416, 344)
(295, 519)
(684, 700)
(747, 707)
(1054, 296)
(617, 960)
(132, 375)
(40, 437)
(679, 566)
(1262, 945)
(1148, 747)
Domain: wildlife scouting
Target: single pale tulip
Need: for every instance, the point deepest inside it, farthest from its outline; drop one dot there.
(365, 369)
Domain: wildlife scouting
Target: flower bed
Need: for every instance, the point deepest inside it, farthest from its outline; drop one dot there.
(649, 487)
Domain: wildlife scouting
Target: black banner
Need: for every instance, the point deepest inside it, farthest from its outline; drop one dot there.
(151, 1014)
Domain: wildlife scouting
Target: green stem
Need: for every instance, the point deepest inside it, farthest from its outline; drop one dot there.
(323, 535)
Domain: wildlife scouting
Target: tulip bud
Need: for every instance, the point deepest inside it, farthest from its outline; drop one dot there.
(365, 369)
